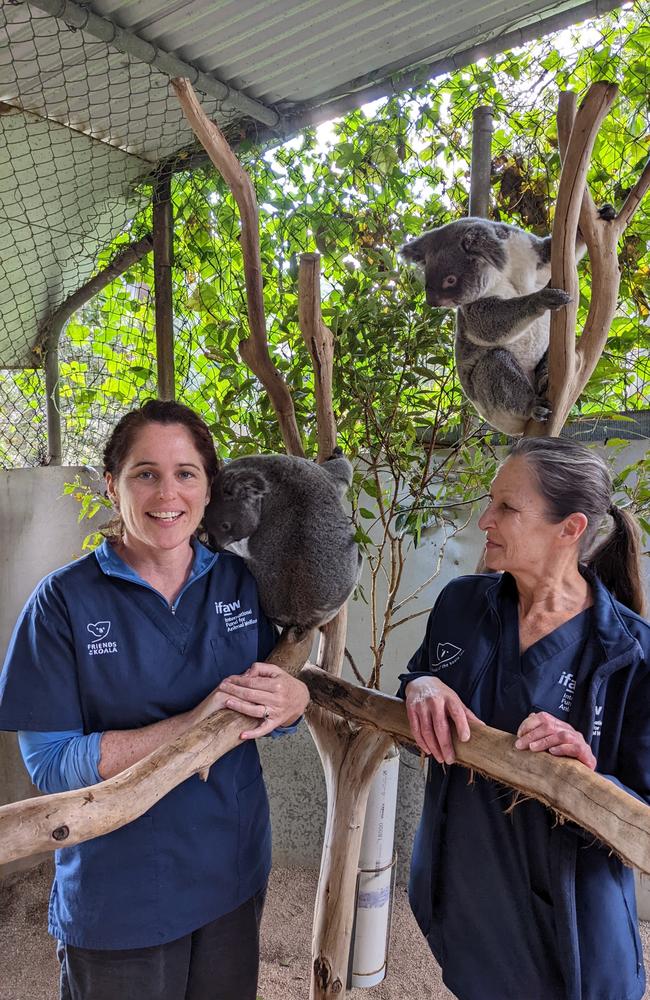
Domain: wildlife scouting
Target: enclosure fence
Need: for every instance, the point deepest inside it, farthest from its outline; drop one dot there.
(352, 191)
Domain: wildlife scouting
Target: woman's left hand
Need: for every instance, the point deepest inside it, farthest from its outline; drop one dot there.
(541, 731)
(267, 693)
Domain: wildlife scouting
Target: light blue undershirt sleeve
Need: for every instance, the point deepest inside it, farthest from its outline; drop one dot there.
(59, 762)
(285, 730)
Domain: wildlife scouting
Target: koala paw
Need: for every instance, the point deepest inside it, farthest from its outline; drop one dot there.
(607, 212)
(541, 384)
(540, 411)
(553, 298)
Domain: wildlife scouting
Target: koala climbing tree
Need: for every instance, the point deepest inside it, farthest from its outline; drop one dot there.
(354, 727)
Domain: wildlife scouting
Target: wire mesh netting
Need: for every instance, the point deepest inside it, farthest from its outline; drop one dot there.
(79, 162)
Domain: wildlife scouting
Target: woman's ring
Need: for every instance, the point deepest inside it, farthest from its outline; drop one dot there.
(266, 714)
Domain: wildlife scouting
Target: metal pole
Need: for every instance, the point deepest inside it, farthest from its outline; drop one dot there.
(163, 237)
(52, 406)
(80, 18)
(479, 193)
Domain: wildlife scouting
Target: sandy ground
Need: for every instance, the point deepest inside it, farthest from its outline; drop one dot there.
(29, 967)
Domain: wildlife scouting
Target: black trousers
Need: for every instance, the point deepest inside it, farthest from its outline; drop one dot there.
(217, 962)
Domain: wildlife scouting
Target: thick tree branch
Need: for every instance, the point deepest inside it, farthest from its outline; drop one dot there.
(320, 344)
(254, 350)
(571, 365)
(563, 364)
(66, 818)
(613, 816)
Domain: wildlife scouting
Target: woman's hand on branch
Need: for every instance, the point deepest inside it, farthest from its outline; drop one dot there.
(541, 731)
(433, 708)
(266, 693)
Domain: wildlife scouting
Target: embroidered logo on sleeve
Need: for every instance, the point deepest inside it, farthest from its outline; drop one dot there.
(234, 618)
(447, 654)
(99, 646)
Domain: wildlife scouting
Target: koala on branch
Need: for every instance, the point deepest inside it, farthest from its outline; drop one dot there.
(495, 276)
(284, 516)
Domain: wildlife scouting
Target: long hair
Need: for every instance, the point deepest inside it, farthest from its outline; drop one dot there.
(574, 479)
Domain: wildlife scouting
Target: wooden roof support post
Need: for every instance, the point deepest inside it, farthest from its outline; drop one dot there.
(479, 189)
(163, 253)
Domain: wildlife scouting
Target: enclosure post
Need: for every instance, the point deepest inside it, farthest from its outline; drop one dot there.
(163, 238)
(53, 410)
(479, 192)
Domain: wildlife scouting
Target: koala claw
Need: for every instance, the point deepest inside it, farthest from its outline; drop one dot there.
(553, 298)
(541, 410)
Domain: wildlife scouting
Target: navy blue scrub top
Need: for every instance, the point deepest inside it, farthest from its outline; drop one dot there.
(508, 852)
(97, 648)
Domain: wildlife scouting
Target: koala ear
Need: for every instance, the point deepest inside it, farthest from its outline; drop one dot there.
(413, 252)
(244, 484)
(472, 240)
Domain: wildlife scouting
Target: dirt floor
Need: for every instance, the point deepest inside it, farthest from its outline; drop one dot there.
(29, 968)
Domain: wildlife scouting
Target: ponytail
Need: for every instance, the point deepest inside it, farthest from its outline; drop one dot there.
(617, 561)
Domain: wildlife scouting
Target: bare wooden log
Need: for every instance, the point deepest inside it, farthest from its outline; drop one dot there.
(350, 758)
(254, 350)
(575, 793)
(66, 818)
(320, 344)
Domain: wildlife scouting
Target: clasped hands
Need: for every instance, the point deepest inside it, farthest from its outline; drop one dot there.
(433, 708)
(263, 692)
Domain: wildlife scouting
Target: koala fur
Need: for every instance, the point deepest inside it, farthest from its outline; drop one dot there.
(494, 275)
(284, 516)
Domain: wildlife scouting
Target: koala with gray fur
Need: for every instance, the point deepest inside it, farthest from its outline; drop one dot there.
(284, 516)
(494, 275)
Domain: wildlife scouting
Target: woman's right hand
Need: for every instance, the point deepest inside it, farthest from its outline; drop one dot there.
(430, 706)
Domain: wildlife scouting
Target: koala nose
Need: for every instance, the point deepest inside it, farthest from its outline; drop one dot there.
(449, 281)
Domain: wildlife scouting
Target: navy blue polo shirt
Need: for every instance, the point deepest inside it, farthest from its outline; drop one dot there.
(97, 648)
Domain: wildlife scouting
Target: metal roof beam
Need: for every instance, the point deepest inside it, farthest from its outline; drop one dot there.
(130, 44)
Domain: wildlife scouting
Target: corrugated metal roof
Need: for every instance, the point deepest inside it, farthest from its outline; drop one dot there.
(86, 111)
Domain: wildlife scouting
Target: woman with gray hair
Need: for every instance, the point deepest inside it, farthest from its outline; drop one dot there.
(549, 645)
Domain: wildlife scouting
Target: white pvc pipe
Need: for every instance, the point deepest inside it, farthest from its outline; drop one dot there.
(375, 883)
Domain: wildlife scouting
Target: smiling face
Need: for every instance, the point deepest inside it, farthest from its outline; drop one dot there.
(520, 536)
(161, 489)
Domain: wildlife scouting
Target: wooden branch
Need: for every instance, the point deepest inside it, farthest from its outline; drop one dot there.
(571, 365)
(320, 344)
(613, 816)
(563, 363)
(66, 818)
(254, 350)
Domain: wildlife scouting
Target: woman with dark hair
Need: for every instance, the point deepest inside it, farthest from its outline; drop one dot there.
(549, 646)
(116, 654)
